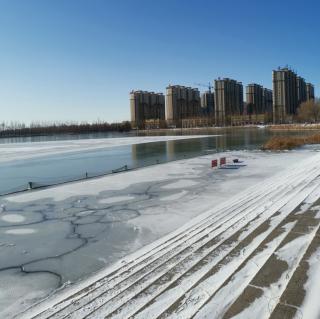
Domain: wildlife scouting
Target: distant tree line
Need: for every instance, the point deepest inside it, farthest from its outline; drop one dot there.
(14, 129)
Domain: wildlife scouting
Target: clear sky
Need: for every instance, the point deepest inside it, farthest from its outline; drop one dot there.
(77, 60)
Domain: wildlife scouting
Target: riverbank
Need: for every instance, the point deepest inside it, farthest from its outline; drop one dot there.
(271, 127)
(295, 127)
(195, 130)
(280, 143)
(57, 236)
(154, 132)
(243, 256)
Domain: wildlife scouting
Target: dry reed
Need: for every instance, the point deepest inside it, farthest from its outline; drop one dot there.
(278, 143)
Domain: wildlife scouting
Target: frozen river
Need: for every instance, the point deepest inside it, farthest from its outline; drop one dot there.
(53, 237)
(41, 162)
(56, 236)
(53, 162)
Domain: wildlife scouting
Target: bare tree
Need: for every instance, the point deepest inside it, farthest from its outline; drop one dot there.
(309, 111)
(47, 128)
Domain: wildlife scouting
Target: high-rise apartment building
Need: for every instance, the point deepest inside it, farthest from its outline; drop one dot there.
(254, 98)
(289, 91)
(301, 90)
(267, 101)
(182, 103)
(145, 106)
(207, 103)
(259, 99)
(285, 94)
(309, 91)
(228, 100)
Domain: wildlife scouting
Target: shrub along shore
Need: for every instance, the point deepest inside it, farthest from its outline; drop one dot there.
(289, 143)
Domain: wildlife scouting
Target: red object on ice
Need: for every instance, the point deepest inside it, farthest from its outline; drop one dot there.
(223, 161)
(214, 163)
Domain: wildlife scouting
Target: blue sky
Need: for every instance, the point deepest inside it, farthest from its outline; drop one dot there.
(77, 60)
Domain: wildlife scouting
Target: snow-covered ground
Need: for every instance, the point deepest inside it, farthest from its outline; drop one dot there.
(222, 228)
(19, 151)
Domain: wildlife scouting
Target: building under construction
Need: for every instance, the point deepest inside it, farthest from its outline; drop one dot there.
(183, 106)
(289, 91)
(254, 98)
(207, 103)
(228, 100)
(268, 101)
(259, 103)
(309, 91)
(147, 109)
(301, 90)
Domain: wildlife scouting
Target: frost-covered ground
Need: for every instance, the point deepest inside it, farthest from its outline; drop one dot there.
(18, 151)
(230, 235)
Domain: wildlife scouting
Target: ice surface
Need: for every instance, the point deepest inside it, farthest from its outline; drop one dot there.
(18, 288)
(19, 151)
(181, 183)
(115, 199)
(175, 196)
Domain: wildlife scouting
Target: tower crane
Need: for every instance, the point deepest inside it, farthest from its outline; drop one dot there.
(209, 86)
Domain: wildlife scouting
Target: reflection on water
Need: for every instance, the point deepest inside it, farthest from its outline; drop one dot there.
(148, 153)
(63, 137)
(170, 150)
(58, 168)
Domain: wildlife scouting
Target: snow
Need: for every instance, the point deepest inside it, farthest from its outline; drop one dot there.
(227, 294)
(292, 254)
(115, 199)
(20, 151)
(175, 196)
(309, 202)
(204, 290)
(13, 218)
(154, 224)
(181, 183)
(20, 231)
(311, 306)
